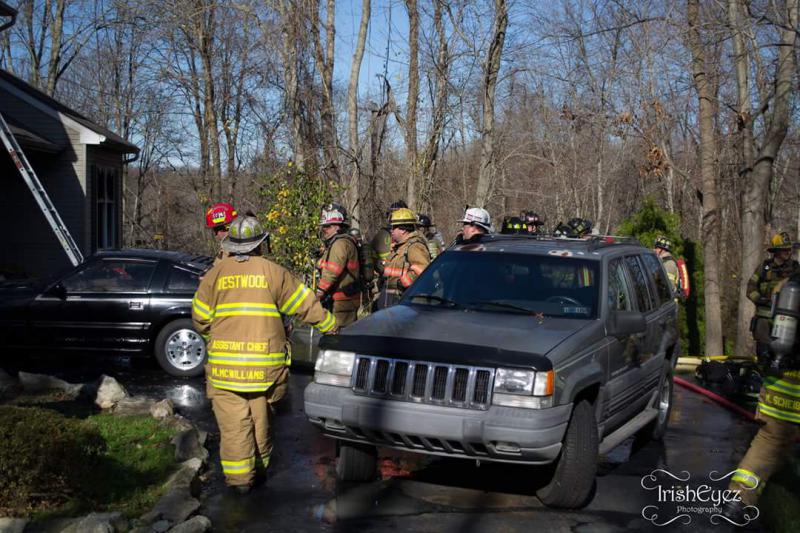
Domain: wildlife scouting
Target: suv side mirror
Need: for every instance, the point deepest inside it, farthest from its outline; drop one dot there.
(624, 323)
(58, 290)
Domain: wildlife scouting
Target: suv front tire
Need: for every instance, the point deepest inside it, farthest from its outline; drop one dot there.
(572, 483)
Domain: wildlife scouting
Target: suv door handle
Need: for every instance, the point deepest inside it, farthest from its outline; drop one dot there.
(135, 305)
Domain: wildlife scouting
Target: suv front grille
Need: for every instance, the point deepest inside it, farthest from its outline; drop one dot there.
(423, 382)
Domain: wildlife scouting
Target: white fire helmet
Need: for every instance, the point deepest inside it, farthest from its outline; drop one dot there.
(333, 214)
(478, 216)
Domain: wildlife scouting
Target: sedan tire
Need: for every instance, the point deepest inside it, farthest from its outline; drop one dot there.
(180, 350)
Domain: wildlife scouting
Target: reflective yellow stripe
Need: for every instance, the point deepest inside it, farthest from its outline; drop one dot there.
(240, 386)
(778, 413)
(778, 385)
(746, 478)
(201, 308)
(242, 359)
(239, 467)
(295, 300)
(327, 324)
(246, 309)
(255, 305)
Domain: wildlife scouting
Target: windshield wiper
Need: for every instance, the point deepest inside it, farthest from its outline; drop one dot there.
(505, 305)
(434, 298)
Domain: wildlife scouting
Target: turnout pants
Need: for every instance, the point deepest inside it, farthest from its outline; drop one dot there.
(245, 421)
(770, 447)
(346, 311)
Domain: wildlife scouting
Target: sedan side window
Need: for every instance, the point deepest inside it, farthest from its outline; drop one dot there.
(639, 278)
(111, 276)
(618, 292)
(182, 280)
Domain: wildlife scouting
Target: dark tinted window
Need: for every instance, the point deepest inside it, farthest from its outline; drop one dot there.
(657, 276)
(619, 296)
(509, 283)
(112, 275)
(182, 280)
(639, 283)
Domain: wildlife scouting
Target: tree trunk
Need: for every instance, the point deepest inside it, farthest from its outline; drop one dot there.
(354, 189)
(430, 155)
(710, 220)
(491, 68)
(290, 22)
(757, 171)
(325, 60)
(411, 103)
(56, 44)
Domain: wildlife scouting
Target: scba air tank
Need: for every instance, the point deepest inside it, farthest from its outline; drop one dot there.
(784, 319)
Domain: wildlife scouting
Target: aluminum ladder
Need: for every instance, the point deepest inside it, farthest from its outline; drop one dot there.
(45, 204)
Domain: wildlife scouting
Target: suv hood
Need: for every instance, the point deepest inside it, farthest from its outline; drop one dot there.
(457, 336)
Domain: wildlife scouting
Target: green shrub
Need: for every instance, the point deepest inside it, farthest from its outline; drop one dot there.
(44, 457)
(647, 224)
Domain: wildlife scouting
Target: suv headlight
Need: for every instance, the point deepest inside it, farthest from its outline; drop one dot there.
(523, 388)
(334, 367)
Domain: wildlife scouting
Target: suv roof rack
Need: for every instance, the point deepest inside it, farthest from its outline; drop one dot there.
(592, 242)
(602, 241)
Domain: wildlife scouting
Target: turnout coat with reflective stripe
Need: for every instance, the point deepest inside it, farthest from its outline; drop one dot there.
(780, 397)
(406, 262)
(339, 271)
(238, 308)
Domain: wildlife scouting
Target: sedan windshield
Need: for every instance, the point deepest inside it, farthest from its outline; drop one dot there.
(509, 283)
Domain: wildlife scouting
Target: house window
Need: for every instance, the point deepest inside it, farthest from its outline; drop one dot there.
(106, 207)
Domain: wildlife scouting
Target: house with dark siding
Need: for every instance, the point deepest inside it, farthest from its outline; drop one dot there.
(79, 164)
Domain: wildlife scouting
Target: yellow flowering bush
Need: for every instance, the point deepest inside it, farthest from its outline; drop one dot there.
(292, 202)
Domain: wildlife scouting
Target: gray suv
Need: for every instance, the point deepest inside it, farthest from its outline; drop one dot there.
(511, 349)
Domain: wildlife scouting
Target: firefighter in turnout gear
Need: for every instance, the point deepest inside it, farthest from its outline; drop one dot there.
(409, 257)
(663, 248)
(218, 219)
(762, 285)
(434, 238)
(778, 408)
(533, 222)
(381, 242)
(339, 286)
(239, 309)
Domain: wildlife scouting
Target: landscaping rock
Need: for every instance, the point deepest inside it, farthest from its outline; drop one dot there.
(98, 523)
(133, 406)
(177, 422)
(109, 392)
(175, 506)
(163, 409)
(188, 445)
(12, 525)
(196, 524)
(186, 477)
(8, 385)
(37, 383)
(160, 527)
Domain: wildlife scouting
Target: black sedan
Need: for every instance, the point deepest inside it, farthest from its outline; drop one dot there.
(132, 301)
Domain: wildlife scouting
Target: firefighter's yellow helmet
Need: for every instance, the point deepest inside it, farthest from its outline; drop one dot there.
(403, 217)
(780, 242)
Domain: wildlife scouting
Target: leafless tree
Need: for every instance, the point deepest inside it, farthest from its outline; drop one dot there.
(491, 69)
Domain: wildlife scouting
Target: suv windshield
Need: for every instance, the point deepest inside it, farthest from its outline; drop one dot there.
(509, 283)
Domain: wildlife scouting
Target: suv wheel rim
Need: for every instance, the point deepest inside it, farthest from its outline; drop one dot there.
(664, 399)
(185, 349)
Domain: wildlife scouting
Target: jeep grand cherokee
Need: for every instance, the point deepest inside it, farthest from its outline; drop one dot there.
(513, 349)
